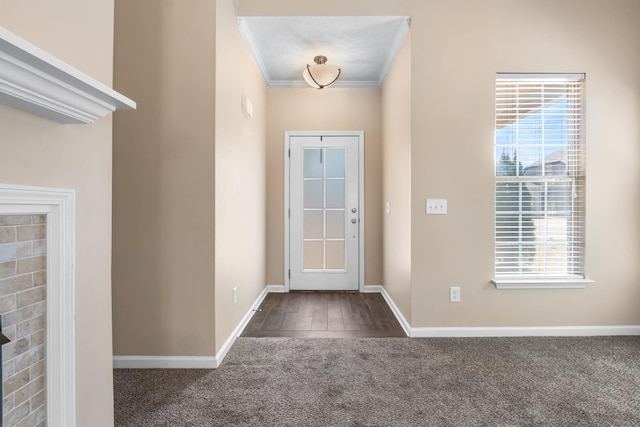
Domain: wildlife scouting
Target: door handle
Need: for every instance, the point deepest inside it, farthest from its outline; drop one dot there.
(354, 220)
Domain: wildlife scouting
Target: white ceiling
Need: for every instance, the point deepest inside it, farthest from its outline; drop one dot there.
(364, 47)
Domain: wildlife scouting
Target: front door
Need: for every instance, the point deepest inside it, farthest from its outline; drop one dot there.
(324, 228)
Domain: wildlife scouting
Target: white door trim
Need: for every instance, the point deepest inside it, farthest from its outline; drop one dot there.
(287, 136)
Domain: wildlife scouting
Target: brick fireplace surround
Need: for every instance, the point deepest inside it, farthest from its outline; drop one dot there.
(23, 279)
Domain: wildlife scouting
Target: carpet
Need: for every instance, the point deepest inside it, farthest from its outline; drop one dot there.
(586, 381)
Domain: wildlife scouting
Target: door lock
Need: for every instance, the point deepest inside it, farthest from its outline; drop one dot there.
(354, 210)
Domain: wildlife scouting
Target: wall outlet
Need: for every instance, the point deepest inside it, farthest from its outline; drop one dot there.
(235, 295)
(454, 294)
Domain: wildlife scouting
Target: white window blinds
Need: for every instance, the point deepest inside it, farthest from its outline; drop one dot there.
(540, 176)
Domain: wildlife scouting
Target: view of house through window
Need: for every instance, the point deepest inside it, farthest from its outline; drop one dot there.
(540, 180)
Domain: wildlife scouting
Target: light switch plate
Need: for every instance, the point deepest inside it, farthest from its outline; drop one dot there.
(436, 207)
(454, 294)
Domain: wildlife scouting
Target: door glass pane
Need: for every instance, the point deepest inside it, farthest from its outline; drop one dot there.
(313, 255)
(335, 162)
(335, 224)
(335, 193)
(313, 194)
(313, 163)
(335, 255)
(313, 225)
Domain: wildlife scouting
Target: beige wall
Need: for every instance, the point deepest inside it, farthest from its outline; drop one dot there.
(240, 176)
(189, 192)
(396, 180)
(458, 46)
(331, 109)
(44, 153)
(164, 175)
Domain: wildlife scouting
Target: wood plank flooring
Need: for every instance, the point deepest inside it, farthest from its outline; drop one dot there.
(323, 314)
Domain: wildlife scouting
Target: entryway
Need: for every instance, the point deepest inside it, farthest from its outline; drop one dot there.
(324, 314)
(324, 214)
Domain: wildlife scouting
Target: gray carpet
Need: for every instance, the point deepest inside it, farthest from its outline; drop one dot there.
(395, 382)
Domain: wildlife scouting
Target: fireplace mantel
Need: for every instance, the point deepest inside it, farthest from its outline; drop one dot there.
(37, 82)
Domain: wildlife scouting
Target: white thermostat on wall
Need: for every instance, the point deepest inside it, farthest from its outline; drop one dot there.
(247, 108)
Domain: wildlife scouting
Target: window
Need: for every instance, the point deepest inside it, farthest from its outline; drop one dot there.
(540, 178)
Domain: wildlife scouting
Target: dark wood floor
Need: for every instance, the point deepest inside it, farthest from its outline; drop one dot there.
(324, 314)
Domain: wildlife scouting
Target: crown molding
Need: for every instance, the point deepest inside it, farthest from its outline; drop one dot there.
(243, 27)
(301, 84)
(35, 81)
(403, 30)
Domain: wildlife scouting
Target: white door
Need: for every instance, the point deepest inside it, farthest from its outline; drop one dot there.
(325, 213)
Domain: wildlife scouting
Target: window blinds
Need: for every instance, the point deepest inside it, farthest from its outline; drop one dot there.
(540, 176)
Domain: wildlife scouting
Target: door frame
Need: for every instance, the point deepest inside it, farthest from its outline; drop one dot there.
(287, 223)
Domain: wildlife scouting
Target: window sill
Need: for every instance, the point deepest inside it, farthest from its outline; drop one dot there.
(541, 283)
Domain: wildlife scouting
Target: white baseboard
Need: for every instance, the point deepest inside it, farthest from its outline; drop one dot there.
(525, 331)
(212, 362)
(189, 362)
(164, 362)
(396, 311)
(506, 331)
(238, 330)
(276, 289)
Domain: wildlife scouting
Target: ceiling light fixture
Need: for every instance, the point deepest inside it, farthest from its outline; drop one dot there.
(320, 75)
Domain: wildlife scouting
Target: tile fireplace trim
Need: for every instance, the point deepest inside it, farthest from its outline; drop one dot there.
(59, 207)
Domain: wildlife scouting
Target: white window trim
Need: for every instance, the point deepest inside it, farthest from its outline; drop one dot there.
(541, 283)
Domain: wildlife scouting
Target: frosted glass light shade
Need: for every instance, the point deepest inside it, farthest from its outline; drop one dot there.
(320, 75)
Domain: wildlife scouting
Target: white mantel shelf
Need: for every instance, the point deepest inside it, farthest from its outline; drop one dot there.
(39, 83)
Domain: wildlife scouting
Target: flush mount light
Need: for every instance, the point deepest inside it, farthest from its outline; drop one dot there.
(320, 75)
